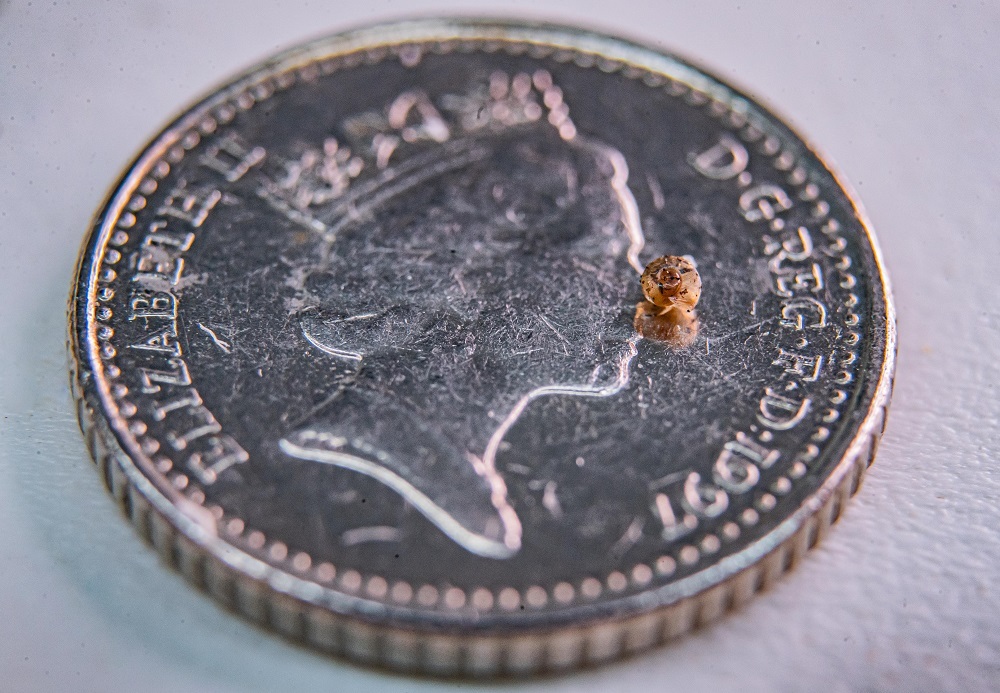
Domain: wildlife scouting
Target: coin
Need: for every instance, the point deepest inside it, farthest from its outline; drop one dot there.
(355, 346)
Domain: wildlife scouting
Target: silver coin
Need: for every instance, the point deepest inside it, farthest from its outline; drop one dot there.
(360, 346)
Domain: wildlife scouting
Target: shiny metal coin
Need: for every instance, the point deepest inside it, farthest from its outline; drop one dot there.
(355, 346)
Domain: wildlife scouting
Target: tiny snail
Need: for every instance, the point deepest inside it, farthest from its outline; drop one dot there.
(671, 281)
(672, 287)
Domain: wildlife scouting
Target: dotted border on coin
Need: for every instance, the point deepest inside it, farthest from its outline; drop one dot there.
(447, 596)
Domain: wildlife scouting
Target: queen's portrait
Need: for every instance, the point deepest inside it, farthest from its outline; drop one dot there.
(466, 257)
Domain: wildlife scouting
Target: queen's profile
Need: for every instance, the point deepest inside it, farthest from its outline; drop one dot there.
(467, 256)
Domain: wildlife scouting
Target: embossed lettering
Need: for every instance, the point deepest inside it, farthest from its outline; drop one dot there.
(798, 248)
(232, 158)
(178, 375)
(146, 304)
(673, 527)
(703, 498)
(805, 367)
(723, 161)
(737, 468)
(204, 424)
(794, 314)
(810, 279)
(155, 264)
(764, 202)
(781, 413)
(167, 239)
(190, 204)
(163, 341)
(190, 398)
(675, 521)
(222, 453)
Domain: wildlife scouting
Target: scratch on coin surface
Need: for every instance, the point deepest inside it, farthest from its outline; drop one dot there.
(219, 342)
(294, 215)
(734, 333)
(327, 349)
(703, 222)
(363, 316)
(457, 276)
(630, 538)
(552, 327)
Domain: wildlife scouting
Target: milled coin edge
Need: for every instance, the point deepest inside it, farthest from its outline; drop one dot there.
(458, 654)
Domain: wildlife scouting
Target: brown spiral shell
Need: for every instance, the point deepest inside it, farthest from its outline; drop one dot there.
(672, 281)
(672, 287)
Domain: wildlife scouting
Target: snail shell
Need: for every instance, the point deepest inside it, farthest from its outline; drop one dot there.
(672, 281)
(675, 328)
(672, 287)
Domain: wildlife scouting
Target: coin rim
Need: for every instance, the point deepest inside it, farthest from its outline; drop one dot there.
(291, 605)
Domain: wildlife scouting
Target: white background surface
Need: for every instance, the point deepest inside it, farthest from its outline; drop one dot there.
(905, 593)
